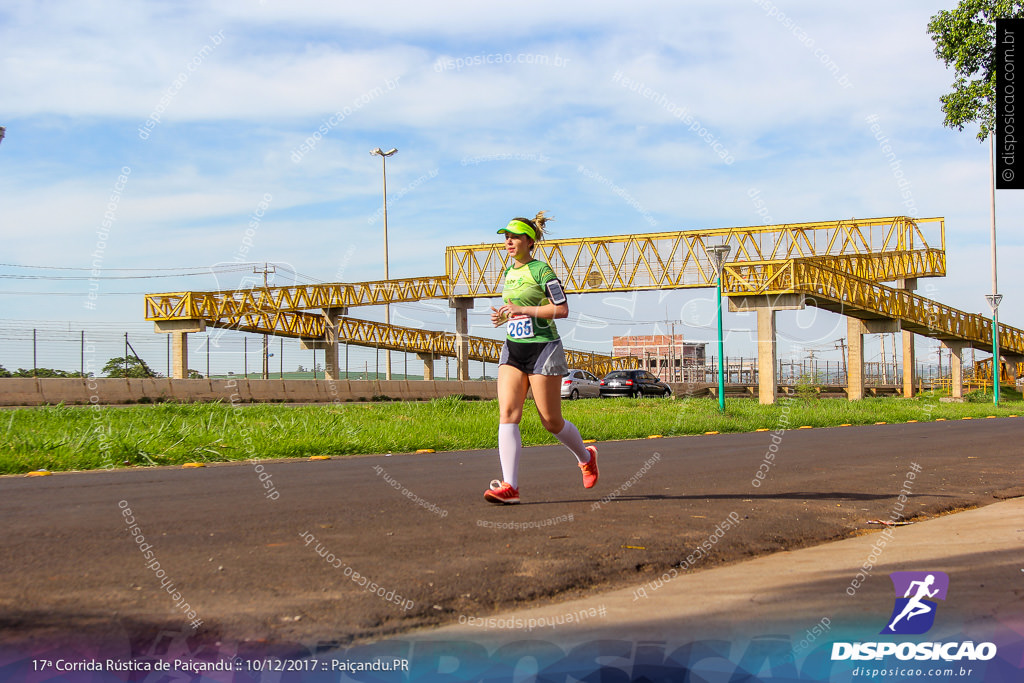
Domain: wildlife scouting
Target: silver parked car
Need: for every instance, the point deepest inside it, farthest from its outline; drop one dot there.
(580, 384)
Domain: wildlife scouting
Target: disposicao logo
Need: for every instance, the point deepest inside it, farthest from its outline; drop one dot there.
(913, 614)
(916, 592)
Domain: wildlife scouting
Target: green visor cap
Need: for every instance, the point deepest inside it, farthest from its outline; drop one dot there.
(520, 228)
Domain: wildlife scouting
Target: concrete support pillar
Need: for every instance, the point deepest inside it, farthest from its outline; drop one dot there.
(462, 307)
(428, 365)
(855, 359)
(956, 366)
(766, 307)
(767, 382)
(909, 363)
(909, 360)
(179, 355)
(333, 318)
(179, 331)
(1012, 361)
(855, 331)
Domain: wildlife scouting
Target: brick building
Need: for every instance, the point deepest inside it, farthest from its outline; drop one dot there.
(664, 355)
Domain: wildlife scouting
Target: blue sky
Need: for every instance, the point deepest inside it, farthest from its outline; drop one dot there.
(497, 110)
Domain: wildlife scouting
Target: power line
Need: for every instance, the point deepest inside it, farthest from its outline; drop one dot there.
(231, 267)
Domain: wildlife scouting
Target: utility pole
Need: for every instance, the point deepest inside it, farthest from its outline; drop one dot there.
(810, 364)
(672, 355)
(266, 338)
(841, 345)
(895, 362)
(885, 365)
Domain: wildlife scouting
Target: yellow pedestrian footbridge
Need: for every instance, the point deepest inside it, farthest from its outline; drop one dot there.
(841, 266)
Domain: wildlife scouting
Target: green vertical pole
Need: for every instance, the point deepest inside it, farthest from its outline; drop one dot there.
(721, 349)
(995, 357)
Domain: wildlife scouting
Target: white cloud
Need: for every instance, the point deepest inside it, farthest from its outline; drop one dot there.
(78, 79)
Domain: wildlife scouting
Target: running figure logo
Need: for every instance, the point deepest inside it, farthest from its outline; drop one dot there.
(914, 612)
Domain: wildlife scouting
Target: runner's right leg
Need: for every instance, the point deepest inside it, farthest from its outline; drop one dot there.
(512, 387)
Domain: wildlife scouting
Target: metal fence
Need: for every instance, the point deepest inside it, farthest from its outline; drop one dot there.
(32, 345)
(216, 354)
(793, 372)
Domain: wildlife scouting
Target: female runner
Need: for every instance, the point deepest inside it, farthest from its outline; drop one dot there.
(532, 358)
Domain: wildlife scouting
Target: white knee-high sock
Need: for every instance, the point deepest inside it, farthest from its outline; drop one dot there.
(510, 445)
(571, 439)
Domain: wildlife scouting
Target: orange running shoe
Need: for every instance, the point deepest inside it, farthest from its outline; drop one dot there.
(502, 493)
(590, 469)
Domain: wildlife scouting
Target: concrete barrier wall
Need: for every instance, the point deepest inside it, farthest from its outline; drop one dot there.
(28, 391)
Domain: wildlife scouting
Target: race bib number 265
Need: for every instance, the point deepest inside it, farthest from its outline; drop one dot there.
(519, 328)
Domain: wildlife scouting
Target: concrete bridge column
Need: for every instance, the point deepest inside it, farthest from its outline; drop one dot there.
(855, 361)
(767, 365)
(462, 307)
(767, 358)
(179, 331)
(909, 360)
(1012, 361)
(333, 318)
(428, 365)
(855, 331)
(956, 366)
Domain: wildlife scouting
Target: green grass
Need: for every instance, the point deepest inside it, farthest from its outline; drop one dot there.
(79, 438)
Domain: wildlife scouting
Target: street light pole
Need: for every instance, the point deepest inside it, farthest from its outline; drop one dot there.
(995, 298)
(387, 275)
(718, 254)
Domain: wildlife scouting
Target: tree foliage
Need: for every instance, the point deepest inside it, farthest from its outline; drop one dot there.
(39, 372)
(965, 39)
(130, 367)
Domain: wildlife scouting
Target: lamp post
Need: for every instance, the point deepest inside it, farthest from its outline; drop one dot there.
(387, 275)
(994, 301)
(994, 298)
(718, 254)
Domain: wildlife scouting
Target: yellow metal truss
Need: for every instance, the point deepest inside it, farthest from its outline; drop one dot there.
(669, 260)
(835, 290)
(838, 265)
(232, 303)
(312, 326)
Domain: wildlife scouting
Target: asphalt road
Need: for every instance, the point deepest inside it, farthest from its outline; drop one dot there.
(237, 544)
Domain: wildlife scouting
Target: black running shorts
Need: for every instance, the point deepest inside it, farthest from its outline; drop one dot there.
(535, 358)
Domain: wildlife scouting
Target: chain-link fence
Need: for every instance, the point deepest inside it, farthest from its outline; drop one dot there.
(34, 347)
(38, 347)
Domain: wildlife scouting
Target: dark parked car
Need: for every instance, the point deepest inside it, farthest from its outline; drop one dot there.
(633, 383)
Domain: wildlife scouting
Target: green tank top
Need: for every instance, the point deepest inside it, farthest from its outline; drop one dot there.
(524, 286)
